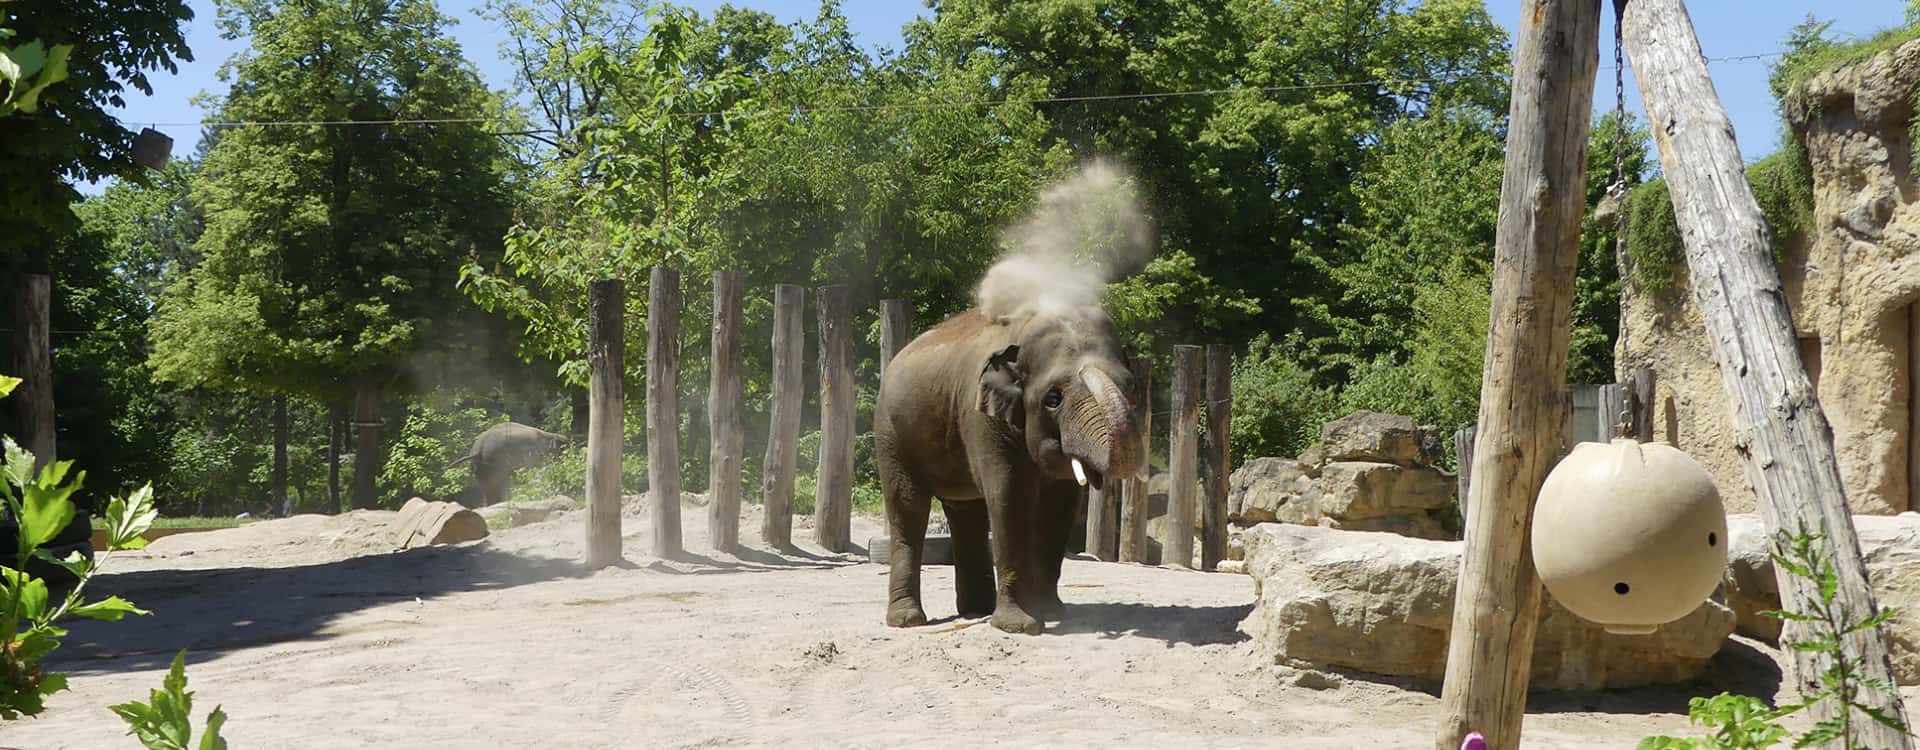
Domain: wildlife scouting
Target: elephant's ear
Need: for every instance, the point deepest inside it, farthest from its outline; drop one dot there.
(1000, 386)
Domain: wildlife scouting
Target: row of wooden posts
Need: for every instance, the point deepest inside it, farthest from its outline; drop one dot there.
(1109, 513)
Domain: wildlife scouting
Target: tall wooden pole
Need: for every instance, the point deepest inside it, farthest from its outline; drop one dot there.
(1183, 460)
(1219, 413)
(833, 496)
(723, 416)
(663, 409)
(1787, 444)
(279, 478)
(1133, 492)
(1523, 420)
(607, 408)
(33, 365)
(896, 328)
(783, 428)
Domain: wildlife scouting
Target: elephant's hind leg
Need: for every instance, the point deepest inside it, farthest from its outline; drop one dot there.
(972, 557)
(907, 505)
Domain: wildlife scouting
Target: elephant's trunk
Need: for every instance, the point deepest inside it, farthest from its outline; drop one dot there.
(1102, 430)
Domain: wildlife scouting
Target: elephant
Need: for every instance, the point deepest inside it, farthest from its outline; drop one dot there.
(505, 448)
(1001, 417)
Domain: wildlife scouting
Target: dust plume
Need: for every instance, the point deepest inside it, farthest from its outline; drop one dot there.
(1087, 229)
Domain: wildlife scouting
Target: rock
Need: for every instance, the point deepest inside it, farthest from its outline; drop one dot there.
(1263, 489)
(423, 522)
(1891, 547)
(1354, 490)
(1356, 495)
(1374, 436)
(522, 512)
(1383, 603)
(938, 549)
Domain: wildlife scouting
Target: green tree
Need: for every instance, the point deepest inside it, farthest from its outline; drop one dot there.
(330, 256)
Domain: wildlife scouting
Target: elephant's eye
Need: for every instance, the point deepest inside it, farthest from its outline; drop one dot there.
(1053, 399)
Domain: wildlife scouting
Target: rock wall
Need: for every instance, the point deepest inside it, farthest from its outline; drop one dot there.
(1370, 472)
(1851, 282)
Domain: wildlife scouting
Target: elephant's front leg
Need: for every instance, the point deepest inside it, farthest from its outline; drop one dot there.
(1010, 514)
(1053, 528)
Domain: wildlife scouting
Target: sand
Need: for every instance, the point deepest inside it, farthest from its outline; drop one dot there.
(312, 633)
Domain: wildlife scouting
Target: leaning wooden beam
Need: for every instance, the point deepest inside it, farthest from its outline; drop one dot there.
(1786, 442)
(663, 409)
(1523, 420)
(606, 404)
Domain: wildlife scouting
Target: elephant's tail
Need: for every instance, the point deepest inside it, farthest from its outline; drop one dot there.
(460, 460)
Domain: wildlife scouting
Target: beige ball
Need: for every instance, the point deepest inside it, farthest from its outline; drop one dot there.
(1629, 535)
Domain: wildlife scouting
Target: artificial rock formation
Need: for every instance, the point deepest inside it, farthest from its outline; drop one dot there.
(1370, 472)
(1383, 603)
(1891, 546)
(1851, 280)
(424, 522)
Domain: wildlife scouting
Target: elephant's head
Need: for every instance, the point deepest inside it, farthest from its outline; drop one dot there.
(1065, 386)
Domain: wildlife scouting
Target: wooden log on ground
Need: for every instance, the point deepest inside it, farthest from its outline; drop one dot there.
(896, 329)
(723, 416)
(1219, 398)
(33, 365)
(1523, 415)
(606, 421)
(1183, 459)
(783, 425)
(1785, 439)
(1133, 491)
(833, 492)
(663, 409)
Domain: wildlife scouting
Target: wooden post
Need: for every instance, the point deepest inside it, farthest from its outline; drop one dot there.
(783, 426)
(1213, 542)
(607, 408)
(663, 409)
(1103, 521)
(896, 329)
(723, 416)
(1642, 401)
(1463, 464)
(336, 439)
(367, 444)
(833, 490)
(1134, 505)
(33, 365)
(1183, 457)
(1786, 441)
(279, 478)
(1523, 415)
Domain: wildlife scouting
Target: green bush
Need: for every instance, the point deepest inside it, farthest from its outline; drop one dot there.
(428, 440)
(1277, 410)
(566, 475)
(1782, 185)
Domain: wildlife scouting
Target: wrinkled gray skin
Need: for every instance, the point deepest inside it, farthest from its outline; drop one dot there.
(986, 414)
(504, 449)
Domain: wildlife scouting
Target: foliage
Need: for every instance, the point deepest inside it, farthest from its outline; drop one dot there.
(1449, 350)
(1743, 722)
(1170, 298)
(165, 722)
(1782, 185)
(1811, 52)
(28, 69)
(566, 475)
(41, 508)
(72, 137)
(1277, 410)
(432, 436)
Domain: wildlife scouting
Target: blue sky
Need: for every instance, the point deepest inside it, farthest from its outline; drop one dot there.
(1727, 28)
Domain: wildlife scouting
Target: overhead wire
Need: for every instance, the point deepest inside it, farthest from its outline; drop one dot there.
(923, 105)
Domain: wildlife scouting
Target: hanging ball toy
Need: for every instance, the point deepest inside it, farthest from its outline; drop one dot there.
(1629, 535)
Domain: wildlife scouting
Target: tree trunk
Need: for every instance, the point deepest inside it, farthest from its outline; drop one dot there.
(1219, 414)
(896, 329)
(606, 373)
(280, 455)
(1133, 492)
(1523, 412)
(663, 410)
(336, 439)
(367, 446)
(833, 497)
(783, 426)
(723, 413)
(1183, 457)
(33, 364)
(1782, 434)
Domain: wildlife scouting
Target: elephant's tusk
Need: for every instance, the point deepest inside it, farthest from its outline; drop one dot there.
(1079, 473)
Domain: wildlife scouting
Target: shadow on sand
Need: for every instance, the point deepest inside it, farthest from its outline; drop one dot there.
(1197, 626)
(214, 611)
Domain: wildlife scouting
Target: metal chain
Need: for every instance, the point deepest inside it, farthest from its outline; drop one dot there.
(1619, 102)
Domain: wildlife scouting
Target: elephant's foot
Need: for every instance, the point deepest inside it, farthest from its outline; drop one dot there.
(1047, 606)
(975, 604)
(1011, 618)
(906, 613)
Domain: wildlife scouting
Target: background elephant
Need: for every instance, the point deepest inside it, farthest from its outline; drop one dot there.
(504, 449)
(996, 416)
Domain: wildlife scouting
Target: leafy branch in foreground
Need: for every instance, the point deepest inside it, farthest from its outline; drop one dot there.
(165, 722)
(1746, 723)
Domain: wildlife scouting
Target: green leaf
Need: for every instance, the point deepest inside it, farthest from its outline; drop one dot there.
(45, 510)
(74, 563)
(211, 739)
(19, 463)
(7, 384)
(16, 63)
(110, 609)
(129, 518)
(29, 592)
(1816, 647)
(1785, 615)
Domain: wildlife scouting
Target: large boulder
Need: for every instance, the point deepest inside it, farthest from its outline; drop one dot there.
(1891, 547)
(423, 522)
(1391, 490)
(1265, 490)
(1383, 603)
(1378, 437)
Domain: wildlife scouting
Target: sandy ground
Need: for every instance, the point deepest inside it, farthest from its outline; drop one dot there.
(312, 634)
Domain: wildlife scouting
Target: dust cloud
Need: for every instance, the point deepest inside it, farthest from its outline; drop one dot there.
(1087, 229)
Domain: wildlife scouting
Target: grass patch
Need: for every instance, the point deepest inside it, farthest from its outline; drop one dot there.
(1795, 70)
(188, 522)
